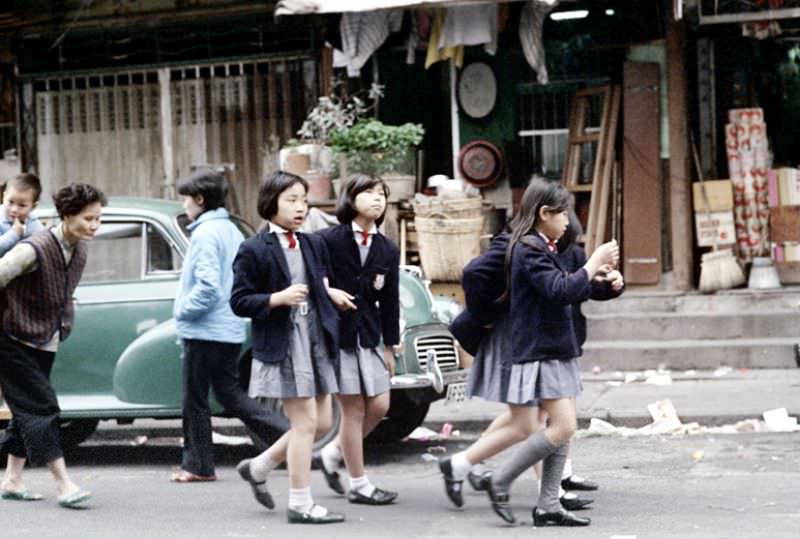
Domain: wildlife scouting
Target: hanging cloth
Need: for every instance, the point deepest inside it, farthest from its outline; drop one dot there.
(470, 25)
(435, 54)
(362, 33)
(531, 24)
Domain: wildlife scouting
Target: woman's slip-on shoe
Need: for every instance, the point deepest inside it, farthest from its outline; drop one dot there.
(75, 500)
(21, 495)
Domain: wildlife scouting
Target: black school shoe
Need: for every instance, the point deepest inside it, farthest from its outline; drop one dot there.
(500, 502)
(260, 492)
(378, 497)
(574, 503)
(305, 517)
(332, 478)
(558, 518)
(452, 487)
(479, 481)
(584, 484)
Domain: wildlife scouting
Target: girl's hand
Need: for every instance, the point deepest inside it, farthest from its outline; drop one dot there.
(388, 358)
(605, 254)
(289, 297)
(616, 280)
(342, 300)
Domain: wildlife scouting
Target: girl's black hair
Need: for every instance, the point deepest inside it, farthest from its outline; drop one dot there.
(209, 184)
(354, 185)
(272, 187)
(72, 199)
(572, 233)
(538, 194)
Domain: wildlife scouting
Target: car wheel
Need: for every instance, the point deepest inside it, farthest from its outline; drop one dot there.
(275, 406)
(404, 416)
(76, 431)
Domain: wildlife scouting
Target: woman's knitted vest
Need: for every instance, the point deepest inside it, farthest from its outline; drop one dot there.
(40, 303)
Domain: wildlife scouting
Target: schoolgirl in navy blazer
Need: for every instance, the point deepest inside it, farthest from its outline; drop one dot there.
(259, 270)
(374, 285)
(542, 294)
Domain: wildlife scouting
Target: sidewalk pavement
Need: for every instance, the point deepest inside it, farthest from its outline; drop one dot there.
(710, 398)
(706, 397)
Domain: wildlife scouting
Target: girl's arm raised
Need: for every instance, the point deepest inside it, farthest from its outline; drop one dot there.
(550, 281)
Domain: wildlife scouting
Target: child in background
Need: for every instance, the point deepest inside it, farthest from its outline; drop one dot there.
(211, 335)
(365, 265)
(20, 197)
(281, 283)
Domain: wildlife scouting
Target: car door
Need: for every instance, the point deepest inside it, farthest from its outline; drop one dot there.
(127, 288)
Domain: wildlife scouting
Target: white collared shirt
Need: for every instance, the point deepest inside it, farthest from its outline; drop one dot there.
(280, 232)
(357, 237)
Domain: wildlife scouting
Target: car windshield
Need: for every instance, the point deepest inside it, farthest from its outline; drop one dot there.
(243, 226)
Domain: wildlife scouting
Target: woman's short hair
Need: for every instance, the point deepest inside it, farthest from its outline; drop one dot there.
(72, 199)
(272, 187)
(354, 185)
(207, 183)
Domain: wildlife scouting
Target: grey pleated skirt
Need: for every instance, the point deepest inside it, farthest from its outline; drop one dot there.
(363, 372)
(491, 368)
(308, 369)
(546, 379)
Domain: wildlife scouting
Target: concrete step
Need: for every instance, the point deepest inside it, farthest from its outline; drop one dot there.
(636, 355)
(730, 301)
(659, 326)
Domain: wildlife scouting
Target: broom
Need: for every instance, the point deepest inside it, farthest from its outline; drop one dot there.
(719, 269)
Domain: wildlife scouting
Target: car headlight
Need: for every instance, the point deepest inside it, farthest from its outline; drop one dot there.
(448, 310)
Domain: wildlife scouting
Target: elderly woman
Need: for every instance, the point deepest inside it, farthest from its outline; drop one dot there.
(39, 276)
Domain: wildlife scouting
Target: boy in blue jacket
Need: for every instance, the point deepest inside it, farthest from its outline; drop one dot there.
(210, 333)
(20, 197)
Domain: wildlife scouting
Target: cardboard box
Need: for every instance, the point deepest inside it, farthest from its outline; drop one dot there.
(784, 223)
(719, 192)
(715, 228)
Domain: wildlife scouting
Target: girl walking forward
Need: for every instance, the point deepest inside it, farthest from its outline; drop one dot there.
(530, 355)
(365, 265)
(39, 276)
(280, 282)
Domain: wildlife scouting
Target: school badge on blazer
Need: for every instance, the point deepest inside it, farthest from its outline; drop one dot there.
(380, 280)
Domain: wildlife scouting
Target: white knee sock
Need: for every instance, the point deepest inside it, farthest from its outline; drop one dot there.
(461, 466)
(331, 457)
(362, 485)
(261, 465)
(300, 499)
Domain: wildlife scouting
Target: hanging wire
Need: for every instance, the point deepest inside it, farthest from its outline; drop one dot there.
(85, 4)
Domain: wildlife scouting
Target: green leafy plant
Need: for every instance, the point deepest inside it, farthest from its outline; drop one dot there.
(373, 147)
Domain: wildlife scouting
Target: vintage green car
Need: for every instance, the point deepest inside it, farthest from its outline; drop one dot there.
(122, 361)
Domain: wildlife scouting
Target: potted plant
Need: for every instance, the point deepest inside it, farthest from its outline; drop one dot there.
(387, 151)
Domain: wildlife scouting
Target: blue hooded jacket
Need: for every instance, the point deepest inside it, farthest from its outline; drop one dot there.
(202, 306)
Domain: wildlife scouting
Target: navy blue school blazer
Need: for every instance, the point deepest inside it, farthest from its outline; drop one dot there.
(483, 281)
(375, 287)
(542, 294)
(259, 269)
(574, 258)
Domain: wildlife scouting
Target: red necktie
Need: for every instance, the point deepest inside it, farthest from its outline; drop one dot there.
(292, 240)
(364, 236)
(551, 245)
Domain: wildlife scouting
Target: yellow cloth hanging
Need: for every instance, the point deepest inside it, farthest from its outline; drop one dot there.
(435, 54)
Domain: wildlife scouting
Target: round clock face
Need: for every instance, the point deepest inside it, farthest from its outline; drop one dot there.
(477, 90)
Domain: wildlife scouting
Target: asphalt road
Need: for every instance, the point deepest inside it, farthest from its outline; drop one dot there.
(722, 486)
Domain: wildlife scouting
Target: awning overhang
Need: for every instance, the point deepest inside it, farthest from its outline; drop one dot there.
(302, 7)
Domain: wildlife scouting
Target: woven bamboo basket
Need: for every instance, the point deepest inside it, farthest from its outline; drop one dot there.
(446, 244)
(460, 208)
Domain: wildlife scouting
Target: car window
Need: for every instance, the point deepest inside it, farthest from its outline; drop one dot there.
(115, 254)
(161, 255)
